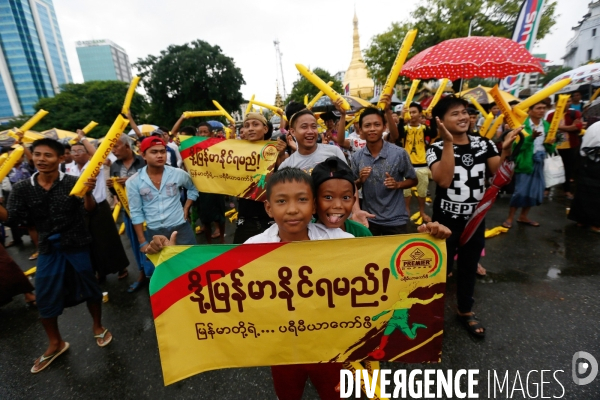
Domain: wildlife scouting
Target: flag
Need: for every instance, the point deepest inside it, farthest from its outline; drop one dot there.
(347, 90)
(524, 33)
(227, 306)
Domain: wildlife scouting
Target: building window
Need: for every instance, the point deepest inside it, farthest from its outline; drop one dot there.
(593, 32)
(589, 54)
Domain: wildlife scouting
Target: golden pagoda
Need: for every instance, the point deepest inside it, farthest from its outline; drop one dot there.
(357, 75)
(278, 100)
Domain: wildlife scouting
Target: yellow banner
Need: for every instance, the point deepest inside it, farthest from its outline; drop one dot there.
(363, 299)
(234, 167)
(559, 114)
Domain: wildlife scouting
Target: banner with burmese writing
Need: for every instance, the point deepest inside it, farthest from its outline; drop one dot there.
(226, 306)
(234, 167)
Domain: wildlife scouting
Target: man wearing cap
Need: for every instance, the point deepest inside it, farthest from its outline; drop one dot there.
(153, 194)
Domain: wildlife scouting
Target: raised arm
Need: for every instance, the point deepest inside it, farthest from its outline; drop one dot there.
(443, 170)
(134, 125)
(85, 142)
(394, 134)
(177, 125)
(341, 128)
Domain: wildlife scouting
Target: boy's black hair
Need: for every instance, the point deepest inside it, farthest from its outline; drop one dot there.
(53, 144)
(417, 106)
(447, 103)
(206, 124)
(188, 130)
(332, 168)
(289, 175)
(67, 146)
(371, 111)
(472, 111)
(165, 130)
(294, 110)
(269, 133)
(531, 107)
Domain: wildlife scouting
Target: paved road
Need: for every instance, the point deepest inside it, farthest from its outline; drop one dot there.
(539, 302)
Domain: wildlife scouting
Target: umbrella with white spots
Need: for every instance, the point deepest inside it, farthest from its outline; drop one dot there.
(469, 57)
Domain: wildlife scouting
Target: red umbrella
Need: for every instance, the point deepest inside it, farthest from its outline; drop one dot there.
(502, 178)
(474, 56)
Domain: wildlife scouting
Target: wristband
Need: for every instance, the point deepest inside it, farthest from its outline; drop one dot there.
(144, 244)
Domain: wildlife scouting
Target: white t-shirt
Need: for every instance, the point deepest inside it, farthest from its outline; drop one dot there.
(315, 232)
(309, 162)
(100, 189)
(177, 154)
(356, 143)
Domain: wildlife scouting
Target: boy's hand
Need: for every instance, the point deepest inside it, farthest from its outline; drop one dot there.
(386, 99)
(291, 142)
(361, 217)
(435, 229)
(390, 182)
(510, 138)
(90, 184)
(338, 106)
(159, 242)
(364, 173)
(281, 146)
(443, 132)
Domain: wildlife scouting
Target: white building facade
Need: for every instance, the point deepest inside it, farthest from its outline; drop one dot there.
(585, 45)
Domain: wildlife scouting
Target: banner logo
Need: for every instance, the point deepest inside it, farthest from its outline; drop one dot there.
(416, 259)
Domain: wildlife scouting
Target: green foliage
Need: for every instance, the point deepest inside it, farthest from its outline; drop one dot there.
(303, 87)
(187, 78)
(439, 20)
(79, 103)
(553, 73)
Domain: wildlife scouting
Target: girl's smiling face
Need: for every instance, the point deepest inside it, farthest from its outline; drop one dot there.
(335, 198)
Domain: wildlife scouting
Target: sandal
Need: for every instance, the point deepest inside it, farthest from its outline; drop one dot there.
(48, 359)
(471, 323)
(34, 256)
(123, 274)
(101, 336)
(507, 225)
(480, 270)
(135, 286)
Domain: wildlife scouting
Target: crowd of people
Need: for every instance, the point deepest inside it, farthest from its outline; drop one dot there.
(333, 184)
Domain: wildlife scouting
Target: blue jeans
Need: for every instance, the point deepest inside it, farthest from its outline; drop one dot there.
(185, 234)
(142, 261)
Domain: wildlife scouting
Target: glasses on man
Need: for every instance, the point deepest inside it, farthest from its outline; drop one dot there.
(78, 151)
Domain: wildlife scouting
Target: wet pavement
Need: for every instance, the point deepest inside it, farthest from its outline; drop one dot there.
(539, 302)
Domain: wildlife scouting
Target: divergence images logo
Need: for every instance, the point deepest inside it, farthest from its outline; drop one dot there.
(580, 367)
(416, 259)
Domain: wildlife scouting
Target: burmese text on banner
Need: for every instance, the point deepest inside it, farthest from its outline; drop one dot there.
(234, 167)
(225, 306)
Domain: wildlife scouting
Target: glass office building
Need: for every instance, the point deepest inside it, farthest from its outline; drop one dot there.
(103, 60)
(33, 62)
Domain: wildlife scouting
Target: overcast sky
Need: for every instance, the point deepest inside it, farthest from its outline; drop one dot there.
(317, 33)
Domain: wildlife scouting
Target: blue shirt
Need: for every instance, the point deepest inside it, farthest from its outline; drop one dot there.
(387, 204)
(160, 208)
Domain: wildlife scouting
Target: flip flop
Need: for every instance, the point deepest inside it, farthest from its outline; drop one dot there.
(34, 256)
(507, 225)
(123, 275)
(530, 223)
(134, 286)
(101, 336)
(48, 359)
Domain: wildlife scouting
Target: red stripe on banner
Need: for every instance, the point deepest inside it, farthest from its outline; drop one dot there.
(227, 262)
(200, 146)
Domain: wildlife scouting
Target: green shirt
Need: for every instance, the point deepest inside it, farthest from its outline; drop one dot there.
(356, 229)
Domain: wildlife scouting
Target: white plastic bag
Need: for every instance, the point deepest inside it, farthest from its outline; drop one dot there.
(554, 170)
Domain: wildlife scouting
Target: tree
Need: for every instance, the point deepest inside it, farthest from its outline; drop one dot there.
(79, 103)
(187, 78)
(439, 20)
(303, 87)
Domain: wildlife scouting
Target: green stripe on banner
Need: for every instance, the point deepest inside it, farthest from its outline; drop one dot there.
(184, 262)
(186, 144)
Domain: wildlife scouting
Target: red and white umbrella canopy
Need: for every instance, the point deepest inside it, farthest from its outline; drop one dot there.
(474, 56)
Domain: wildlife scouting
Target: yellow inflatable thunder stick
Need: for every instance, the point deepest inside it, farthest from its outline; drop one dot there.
(100, 156)
(478, 106)
(89, 127)
(211, 113)
(249, 106)
(322, 86)
(276, 110)
(116, 212)
(495, 231)
(542, 94)
(305, 99)
(492, 131)
(558, 116)
(510, 117)
(487, 122)
(30, 271)
(10, 162)
(122, 228)
(355, 118)
(33, 120)
(390, 82)
(225, 113)
(3, 158)
(121, 194)
(409, 98)
(129, 95)
(437, 96)
(311, 103)
(596, 93)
